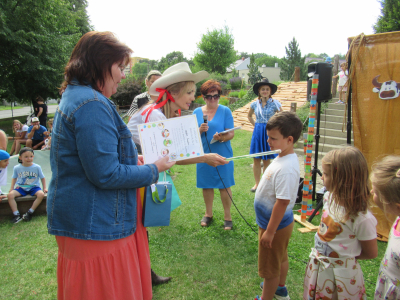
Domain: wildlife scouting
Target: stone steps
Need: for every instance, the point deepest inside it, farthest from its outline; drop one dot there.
(331, 135)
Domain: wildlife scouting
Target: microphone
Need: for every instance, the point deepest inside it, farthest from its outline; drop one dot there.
(205, 119)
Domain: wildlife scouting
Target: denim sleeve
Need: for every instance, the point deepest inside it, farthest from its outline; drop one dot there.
(97, 142)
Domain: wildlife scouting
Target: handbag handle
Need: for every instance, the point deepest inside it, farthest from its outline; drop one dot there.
(155, 196)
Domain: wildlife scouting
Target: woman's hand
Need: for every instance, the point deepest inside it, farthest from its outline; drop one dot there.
(163, 164)
(218, 137)
(250, 116)
(214, 159)
(140, 160)
(203, 128)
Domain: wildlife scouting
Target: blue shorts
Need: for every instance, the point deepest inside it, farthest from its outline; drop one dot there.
(31, 192)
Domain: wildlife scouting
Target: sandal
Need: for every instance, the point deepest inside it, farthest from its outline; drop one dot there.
(206, 221)
(228, 224)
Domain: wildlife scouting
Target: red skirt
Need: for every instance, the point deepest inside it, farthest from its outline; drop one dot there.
(118, 269)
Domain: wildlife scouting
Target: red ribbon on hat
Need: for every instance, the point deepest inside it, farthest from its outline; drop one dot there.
(159, 104)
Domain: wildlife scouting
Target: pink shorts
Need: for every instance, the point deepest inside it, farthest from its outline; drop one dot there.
(342, 88)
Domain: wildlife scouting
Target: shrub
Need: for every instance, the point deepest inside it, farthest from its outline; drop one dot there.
(242, 93)
(234, 94)
(243, 101)
(236, 83)
(199, 100)
(224, 101)
(126, 92)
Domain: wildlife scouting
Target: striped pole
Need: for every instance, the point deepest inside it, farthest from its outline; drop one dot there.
(308, 186)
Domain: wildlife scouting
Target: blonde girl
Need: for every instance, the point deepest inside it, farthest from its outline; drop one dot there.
(385, 179)
(21, 135)
(347, 231)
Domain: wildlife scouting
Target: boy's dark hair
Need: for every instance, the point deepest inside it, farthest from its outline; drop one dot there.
(22, 151)
(288, 124)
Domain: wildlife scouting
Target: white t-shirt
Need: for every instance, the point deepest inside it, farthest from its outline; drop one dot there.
(280, 181)
(343, 77)
(3, 178)
(337, 239)
(137, 119)
(24, 128)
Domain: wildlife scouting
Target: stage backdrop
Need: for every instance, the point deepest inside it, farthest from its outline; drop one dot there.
(375, 80)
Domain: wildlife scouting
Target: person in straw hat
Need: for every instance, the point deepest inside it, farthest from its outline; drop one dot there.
(264, 108)
(175, 90)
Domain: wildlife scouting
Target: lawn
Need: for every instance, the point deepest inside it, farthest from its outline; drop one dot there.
(205, 263)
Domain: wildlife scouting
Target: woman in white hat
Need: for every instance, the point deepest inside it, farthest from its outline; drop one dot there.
(264, 108)
(175, 90)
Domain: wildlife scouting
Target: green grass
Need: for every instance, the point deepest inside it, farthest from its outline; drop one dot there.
(205, 263)
(9, 107)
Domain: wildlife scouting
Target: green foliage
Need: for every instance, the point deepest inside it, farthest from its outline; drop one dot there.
(140, 70)
(242, 93)
(390, 18)
(78, 7)
(254, 73)
(250, 96)
(304, 111)
(200, 100)
(267, 60)
(215, 51)
(224, 101)
(171, 59)
(127, 91)
(36, 38)
(293, 59)
(223, 79)
(242, 54)
(236, 83)
(234, 94)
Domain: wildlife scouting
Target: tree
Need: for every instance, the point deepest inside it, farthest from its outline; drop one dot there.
(78, 8)
(267, 60)
(390, 18)
(254, 73)
(171, 59)
(127, 90)
(140, 70)
(215, 51)
(241, 55)
(36, 38)
(293, 59)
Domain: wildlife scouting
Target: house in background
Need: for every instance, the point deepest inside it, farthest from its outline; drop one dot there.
(242, 66)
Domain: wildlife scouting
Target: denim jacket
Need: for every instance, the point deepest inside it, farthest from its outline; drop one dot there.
(92, 192)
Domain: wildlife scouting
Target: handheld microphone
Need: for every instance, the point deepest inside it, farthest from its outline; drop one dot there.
(205, 119)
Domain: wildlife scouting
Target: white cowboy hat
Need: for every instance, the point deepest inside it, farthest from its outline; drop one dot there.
(177, 73)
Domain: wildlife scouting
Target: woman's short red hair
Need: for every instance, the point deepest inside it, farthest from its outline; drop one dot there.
(210, 86)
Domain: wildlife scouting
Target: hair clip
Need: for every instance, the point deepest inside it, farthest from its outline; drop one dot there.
(398, 173)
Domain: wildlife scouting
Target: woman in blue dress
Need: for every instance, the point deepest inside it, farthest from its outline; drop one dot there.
(219, 118)
(264, 108)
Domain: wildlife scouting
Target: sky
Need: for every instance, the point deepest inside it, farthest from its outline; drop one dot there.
(153, 28)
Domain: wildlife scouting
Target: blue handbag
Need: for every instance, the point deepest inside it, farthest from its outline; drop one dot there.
(157, 204)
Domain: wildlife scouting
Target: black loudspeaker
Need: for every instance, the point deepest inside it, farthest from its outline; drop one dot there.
(324, 70)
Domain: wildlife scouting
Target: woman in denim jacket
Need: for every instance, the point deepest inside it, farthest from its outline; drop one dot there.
(92, 205)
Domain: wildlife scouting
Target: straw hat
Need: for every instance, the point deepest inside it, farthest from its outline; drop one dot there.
(264, 81)
(177, 73)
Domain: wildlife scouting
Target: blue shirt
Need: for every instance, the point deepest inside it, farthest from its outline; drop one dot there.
(263, 114)
(39, 134)
(28, 177)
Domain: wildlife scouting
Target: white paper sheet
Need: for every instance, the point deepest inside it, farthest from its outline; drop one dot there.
(179, 138)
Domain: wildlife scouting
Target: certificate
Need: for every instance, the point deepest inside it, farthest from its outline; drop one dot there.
(179, 138)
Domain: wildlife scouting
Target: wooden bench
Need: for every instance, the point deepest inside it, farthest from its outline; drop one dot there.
(24, 203)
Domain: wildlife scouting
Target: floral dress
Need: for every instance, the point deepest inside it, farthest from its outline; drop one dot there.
(388, 283)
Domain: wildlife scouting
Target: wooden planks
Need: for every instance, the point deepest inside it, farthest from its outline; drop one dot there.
(287, 93)
(308, 226)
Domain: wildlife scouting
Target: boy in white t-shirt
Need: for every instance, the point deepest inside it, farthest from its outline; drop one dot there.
(273, 204)
(4, 161)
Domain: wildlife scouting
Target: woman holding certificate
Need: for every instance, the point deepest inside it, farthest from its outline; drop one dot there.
(175, 91)
(212, 119)
(264, 108)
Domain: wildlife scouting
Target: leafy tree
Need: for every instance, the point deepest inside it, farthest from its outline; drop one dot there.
(153, 64)
(171, 59)
(78, 7)
(293, 59)
(254, 73)
(36, 38)
(140, 70)
(242, 54)
(390, 18)
(127, 90)
(267, 60)
(215, 50)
